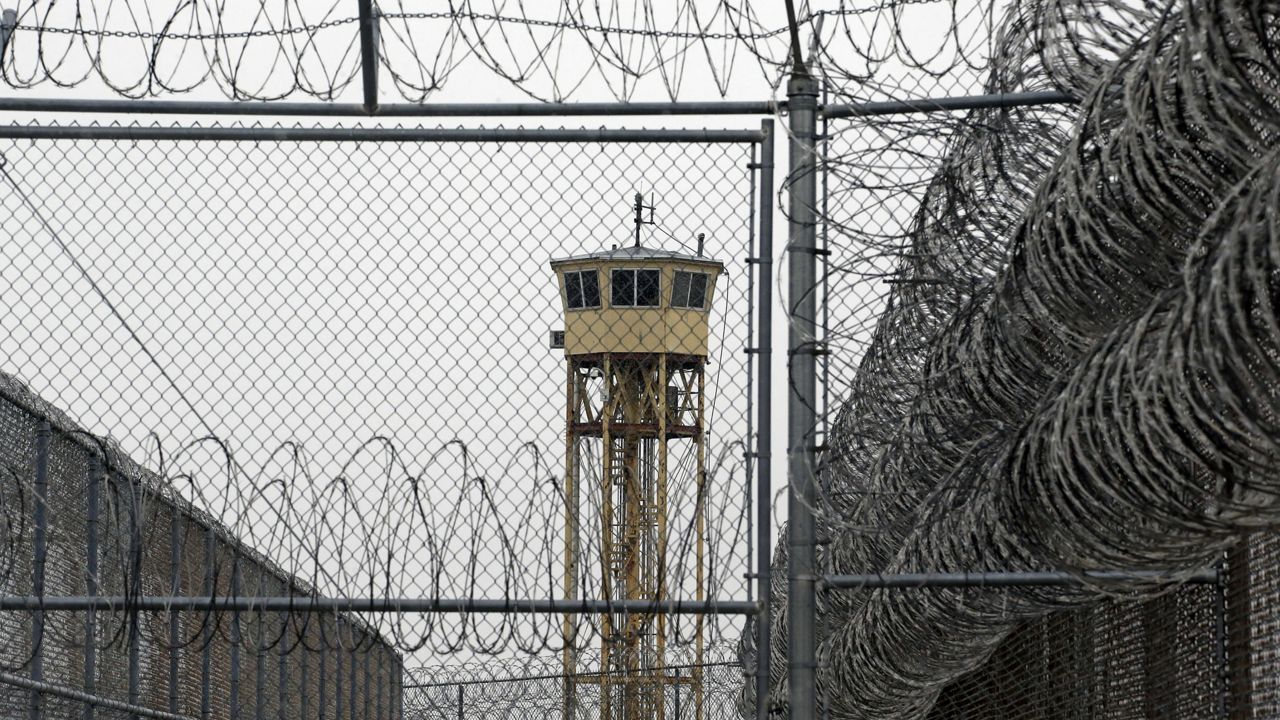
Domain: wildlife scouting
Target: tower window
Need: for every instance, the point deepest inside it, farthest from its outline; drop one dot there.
(689, 290)
(635, 288)
(582, 289)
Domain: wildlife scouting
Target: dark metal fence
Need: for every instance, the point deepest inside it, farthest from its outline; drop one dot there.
(255, 316)
(532, 688)
(306, 421)
(82, 520)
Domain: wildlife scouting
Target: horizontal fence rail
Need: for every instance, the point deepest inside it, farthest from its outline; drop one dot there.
(377, 135)
(316, 109)
(87, 699)
(377, 605)
(947, 104)
(906, 581)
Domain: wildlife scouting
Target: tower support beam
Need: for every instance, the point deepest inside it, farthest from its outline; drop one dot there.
(620, 410)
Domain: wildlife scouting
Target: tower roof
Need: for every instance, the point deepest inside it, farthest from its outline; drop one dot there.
(639, 253)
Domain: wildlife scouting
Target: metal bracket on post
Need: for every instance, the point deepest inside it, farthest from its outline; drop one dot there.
(369, 55)
(802, 98)
(8, 22)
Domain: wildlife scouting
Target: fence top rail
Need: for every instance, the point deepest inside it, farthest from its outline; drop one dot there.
(528, 109)
(325, 109)
(377, 134)
(373, 605)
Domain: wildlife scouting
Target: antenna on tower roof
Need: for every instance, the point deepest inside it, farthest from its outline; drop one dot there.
(640, 208)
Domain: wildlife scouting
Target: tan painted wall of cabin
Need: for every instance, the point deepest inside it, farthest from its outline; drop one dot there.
(638, 330)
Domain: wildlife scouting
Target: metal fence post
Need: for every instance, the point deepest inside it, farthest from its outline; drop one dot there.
(338, 698)
(39, 546)
(351, 682)
(1220, 640)
(677, 689)
(8, 22)
(175, 588)
(368, 681)
(235, 639)
(764, 436)
(91, 583)
(378, 715)
(802, 98)
(460, 702)
(282, 674)
(324, 675)
(259, 663)
(369, 54)
(305, 692)
(135, 590)
(206, 639)
(397, 688)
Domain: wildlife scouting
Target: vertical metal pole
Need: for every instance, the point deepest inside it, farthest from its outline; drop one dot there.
(677, 688)
(259, 664)
(338, 699)
(825, 254)
(397, 687)
(40, 521)
(304, 692)
(135, 585)
(351, 681)
(368, 681)
(802, 98)
(381, 656)
(369, 55)
(1239, 630)
(175, 587)
(1220, 638)
(701, 523)
(764, 437)
(570, 660)
(206, 640)
(324, 676)
(460, 703)
(235, 640)
(91, 584)
(7, 24)
(282, 676)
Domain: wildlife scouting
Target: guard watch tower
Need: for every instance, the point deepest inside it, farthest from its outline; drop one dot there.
(635, 339)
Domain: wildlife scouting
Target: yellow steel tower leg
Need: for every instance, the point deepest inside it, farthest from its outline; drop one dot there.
(606, 540)
(660, 670)
(573, 392)
(632, 504)
(701, 520)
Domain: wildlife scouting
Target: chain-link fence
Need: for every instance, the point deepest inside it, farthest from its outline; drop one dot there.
(289, 413)
(980, 528)
(534, 688)
(488, 395)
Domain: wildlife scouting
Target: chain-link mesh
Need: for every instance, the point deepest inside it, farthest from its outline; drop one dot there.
(534, 689)
(1120, 659)
(338, 370)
